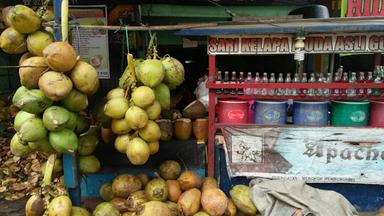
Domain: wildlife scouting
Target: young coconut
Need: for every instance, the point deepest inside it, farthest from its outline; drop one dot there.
(121, 143)
(240, 197)
(31, 70)
(137, 118)
(24, 57)
(17, 148)
(87, 144)
(21, 117)
(152, 208)
(154, 110)
(138, 151)
(115, 93)
(23, 19)
(32, 101)
(188, 180)
(13, 42)
(214, 201)
(124, 185)
(163, 96)
(153, 147)
(60, 56)
(104, 209)
(105, 191)
(174, 190)
(60, 205)
(75, 101)
(89, 164)
(151, 132)
(143, 97)
(136, 200)
(64, 140)
(156, 190)
(43, 146)
(85, 79)
(116, 108)
(32, 130)
(37, 41)
(151, 72)
(231, 209)
(78, 211)
(174, 71)
(55, 118)
(170, 170)
(120, 126)
(55, 85)
(189, 202)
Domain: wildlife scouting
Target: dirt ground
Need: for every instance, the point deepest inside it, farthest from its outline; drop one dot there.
(14, 208)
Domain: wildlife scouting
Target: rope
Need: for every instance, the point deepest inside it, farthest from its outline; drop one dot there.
(127, 38)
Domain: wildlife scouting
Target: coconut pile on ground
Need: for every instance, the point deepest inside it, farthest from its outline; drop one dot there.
(131, 110)
(172, 193)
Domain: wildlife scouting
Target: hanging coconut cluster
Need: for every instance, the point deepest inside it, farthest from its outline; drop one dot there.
(173, 193)
(135, 106)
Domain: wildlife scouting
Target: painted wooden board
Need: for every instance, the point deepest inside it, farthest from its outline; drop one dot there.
(316, 155)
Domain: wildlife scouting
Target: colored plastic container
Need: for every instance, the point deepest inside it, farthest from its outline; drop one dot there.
(350, 113)
(310, 113)
(232, 111)
(377, 114)
(270, 112)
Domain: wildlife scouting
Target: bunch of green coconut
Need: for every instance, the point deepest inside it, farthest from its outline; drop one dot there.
(24, 30)
(174, 192)
(135, 106)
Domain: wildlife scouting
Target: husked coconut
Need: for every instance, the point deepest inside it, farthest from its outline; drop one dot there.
(137, 151)
(37, 41)
(31, 70)
(214, 201)
(189, 202)
(13, 42)
(85, 79)
(60, 56)
(55, 85)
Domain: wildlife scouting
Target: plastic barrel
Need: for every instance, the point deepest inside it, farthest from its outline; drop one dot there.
(232, 111)
(310, 113)
(270, 112)
(377, 114)
(350, 113)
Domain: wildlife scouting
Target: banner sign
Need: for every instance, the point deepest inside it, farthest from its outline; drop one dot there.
(326, 155)
(91, 44)
(362, 8)
(284, 44)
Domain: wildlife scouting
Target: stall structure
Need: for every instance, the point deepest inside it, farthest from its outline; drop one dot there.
(281, 148)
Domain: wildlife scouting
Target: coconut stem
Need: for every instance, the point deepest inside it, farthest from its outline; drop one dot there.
(64, 20)
(49, 170)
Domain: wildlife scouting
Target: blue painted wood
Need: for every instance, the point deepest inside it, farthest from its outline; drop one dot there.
(366, 198)
(308, 25)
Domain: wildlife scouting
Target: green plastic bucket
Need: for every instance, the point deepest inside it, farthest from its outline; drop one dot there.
(350, 113)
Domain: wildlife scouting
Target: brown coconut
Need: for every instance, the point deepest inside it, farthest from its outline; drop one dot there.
(84, 77)
(214, 201)
(153, 208)
(174, 190)
(209, 183)
(24, 57)
(189, 202)
(4, 13)
(143, 178)
(120, 204)
(231, 209)
(196, 109)
(55, 85)
(188, 180)
(170, 170)
(136, 200)
(31, 70)
(124, 185)
(60, 56)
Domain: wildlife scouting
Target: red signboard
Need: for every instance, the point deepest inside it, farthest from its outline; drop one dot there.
(363, 8)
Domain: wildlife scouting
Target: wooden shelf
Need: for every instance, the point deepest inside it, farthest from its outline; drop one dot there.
(213, 85)
(286, 97)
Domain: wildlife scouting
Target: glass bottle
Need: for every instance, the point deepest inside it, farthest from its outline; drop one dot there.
(336, 91)
(280, 79)
(377, 79)
(328, 80)
(264, 91)
(361, 91)
(352, 91)
(240, 91)
(344, 79)
(368, 92)
(257, 91)
(296, 79)
(272, 79)
(248, 80)
(288, 79)
(233, 81)
(304, 92)
(319, 92)
(218, 80)
(226, 81)
(311, 91)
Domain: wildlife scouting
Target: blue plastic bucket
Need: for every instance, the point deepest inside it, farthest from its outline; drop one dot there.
(270, 112)
(310, 113)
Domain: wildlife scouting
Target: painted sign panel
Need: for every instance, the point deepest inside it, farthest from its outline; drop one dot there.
(326, 155)
(284, 44)
(362, 8)
(91, 44)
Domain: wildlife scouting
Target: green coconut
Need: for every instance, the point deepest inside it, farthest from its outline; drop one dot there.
(156, 189)
(82, 125)
(154, 110)
(42, 145)
(23, 19)
(115, 93)
(55, 118)
(116, 108)
(137, 118)
(31, 70)
(151, 72)
(84, 78)
(120, 126)
(21, 117)
(240, 197)
(121, 143)
(60, 56)
(55, 85)
(138, 151)
(17, 148)
(163, 95)
(75, 101)
(78, 211)
(87, 144)
(174, 71)
(37, 41)
(72, 121)
(63, 141)
(143, 97)
(170, 170)
(105, 191)
(32, 130)
(106, 209)
(13, 42)
(151, 132)
(89, 164)
(32, 101)
(60, 205)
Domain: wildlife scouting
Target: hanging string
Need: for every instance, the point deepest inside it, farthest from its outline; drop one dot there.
(78, 38)
(127, 38)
